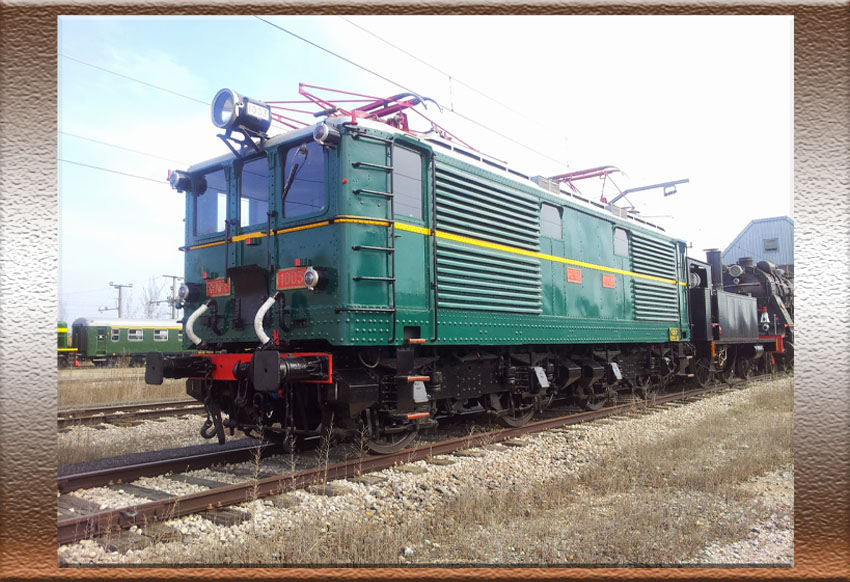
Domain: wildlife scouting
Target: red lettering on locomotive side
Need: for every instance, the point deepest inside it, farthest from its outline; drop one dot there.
(573, 275)
(292, 278)
(609, 281)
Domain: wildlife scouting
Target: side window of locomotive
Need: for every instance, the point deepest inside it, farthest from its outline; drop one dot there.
(621, 242)
(550, 221)
(210, 193)
(254, 192)
(407, 183)
(303, 189)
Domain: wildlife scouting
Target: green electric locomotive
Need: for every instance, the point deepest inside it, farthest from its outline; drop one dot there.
(355, 276)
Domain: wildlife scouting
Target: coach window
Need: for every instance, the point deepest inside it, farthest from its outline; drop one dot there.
(116, 335)
(254, 192)
(160, 335)
(550, 221)
(621, 242)
(210, 193)
(304, 191)
(407, 183)
(134, 335)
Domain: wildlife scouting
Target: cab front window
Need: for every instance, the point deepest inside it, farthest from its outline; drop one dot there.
(210, 195)
(303, 190)
(254, 192)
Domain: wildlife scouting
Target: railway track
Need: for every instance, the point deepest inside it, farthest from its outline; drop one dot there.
(126, 413)
(98, 522)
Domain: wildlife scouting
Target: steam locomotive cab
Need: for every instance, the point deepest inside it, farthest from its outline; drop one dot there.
(741, 316)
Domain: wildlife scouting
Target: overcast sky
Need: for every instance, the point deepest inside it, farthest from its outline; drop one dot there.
(708, 98)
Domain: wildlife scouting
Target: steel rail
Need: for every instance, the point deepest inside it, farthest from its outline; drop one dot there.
(92, 525)
(89, 416)
(127, 473)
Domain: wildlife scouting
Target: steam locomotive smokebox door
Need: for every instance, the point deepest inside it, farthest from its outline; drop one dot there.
(265, 371)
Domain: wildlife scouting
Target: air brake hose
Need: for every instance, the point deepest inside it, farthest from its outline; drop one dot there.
(258, 319)
(190, 323)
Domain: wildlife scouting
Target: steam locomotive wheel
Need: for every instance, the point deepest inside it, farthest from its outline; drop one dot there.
(510, 410)
(743, 368)
(702, 374)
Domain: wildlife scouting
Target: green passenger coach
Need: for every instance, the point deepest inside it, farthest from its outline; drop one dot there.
(112, 341)
(357, 270)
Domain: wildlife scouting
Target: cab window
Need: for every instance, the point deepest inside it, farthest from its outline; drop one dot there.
(303, 189)
(254, 192)
(210, 194)
(407, 183)
(621, 242)
(550, 221)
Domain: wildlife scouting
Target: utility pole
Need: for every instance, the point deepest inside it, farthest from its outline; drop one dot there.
(120, 299)
(172, 301)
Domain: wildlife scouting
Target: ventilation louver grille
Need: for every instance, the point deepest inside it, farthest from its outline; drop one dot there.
(654, 300)
(482, 279)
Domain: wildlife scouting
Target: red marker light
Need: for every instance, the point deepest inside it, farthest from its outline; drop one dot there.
(344, 181)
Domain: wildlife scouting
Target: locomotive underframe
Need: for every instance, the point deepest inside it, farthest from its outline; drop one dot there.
(389, 393)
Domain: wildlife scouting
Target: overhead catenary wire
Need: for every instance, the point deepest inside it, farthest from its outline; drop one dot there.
(69, 57)
(113, 171)
(451, 78)
(112, 145)
(397, 84)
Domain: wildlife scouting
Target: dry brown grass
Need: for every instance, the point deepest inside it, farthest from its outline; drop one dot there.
(639, 502)
(81, 387)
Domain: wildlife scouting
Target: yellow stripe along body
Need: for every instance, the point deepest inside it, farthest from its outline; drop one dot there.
(445, 236)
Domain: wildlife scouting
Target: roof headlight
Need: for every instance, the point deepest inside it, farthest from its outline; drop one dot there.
(230, 111)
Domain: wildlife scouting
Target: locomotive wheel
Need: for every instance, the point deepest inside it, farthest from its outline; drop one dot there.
(702, 373)
(391, 443)
(500, 404)
(596, 396)
(743, 368)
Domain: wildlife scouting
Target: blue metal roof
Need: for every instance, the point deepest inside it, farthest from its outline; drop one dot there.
(763, 239)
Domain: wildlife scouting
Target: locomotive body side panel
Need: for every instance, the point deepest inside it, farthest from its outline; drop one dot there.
(500, 282)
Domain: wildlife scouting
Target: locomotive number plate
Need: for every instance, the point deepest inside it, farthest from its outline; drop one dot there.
(292, 278)
(573, 275)
(218, 287)
(609, 281)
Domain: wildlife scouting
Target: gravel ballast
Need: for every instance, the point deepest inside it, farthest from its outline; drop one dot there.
(399, 498)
